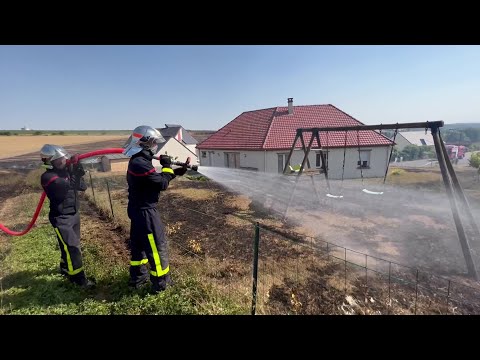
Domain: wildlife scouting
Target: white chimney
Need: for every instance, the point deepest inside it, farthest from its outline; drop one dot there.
(290, 106)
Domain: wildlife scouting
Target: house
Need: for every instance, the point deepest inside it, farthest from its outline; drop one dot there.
(180, 134)
(418, 138)
(178, 143)
(262, 139)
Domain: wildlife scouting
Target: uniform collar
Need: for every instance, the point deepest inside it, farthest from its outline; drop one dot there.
(147, 154)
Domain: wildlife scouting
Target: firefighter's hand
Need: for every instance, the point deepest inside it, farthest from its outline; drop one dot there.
(165, 161)
(180, 171)
(78, 170)
(74, 159)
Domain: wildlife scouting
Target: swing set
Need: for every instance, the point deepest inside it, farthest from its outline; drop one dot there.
(454, 190)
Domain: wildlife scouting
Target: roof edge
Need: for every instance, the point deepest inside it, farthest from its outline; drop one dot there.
(269, 126)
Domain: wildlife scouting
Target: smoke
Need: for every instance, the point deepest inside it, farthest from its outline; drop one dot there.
(409, 226)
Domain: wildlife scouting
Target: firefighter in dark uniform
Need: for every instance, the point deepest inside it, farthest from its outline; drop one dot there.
(148, 241)
(61, 183)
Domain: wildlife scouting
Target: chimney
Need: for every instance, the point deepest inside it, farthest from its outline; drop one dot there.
(290, 106)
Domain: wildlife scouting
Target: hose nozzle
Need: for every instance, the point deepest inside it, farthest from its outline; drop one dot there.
(182, 164)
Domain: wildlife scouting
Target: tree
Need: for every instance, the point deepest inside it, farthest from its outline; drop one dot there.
(410, 152)
(475, 160)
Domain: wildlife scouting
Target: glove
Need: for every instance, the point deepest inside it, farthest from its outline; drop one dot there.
(180, 171)
(74, 159)
(165, 161)
(78, 170)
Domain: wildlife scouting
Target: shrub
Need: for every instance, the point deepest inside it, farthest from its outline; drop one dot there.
(474, 160)
(397, 172)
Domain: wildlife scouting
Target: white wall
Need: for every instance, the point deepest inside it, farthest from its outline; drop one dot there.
(250, 159)
(256, 159)
(401, 142)
(378, 163)
(192, 148)
(175, 149)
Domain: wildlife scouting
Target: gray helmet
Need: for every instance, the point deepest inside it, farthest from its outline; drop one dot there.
(143, 137)
(49, 152)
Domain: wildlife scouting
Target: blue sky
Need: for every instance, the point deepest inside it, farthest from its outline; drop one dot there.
(205, 87)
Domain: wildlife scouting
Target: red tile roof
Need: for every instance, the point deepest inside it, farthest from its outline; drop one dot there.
(274, 128)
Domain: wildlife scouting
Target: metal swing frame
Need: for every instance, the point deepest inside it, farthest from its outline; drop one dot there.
(454, 191)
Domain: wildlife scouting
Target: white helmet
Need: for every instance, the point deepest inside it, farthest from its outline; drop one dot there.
(143, 137)
(49, 152)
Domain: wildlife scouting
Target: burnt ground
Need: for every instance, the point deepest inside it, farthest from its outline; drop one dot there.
(208, 224)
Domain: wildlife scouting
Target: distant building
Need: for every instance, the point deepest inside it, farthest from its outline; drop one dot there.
(115, 162)
(179, 134)
(25, 128)
(418, 138)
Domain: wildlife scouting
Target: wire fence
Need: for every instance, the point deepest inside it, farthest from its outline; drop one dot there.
(271, 270)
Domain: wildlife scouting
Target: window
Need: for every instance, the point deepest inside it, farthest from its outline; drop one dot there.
(204, 154)
(364, 161)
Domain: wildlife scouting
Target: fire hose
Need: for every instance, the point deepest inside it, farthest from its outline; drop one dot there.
(42, 198)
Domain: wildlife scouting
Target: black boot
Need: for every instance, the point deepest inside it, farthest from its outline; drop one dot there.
(81, 280)
(161, 283)
(138, 283)
(63, 269)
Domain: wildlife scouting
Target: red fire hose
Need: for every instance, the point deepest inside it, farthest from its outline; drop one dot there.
(42, 198)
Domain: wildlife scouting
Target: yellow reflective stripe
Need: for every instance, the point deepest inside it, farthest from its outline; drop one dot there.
(167, 170)
(138, 263)
(70, 270)
(74, 272)
(154, 273)
(69, 260)
(156, 258)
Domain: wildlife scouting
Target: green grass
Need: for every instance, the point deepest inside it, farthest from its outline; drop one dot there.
(30, 282)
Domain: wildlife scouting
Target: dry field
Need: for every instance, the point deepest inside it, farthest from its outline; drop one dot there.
(20, 145)
(29, 147)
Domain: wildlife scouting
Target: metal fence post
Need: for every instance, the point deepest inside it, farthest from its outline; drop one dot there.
(110, 199)
(91, 185)
(255, 267)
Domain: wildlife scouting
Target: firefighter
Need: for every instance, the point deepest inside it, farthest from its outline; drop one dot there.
(148, 241)
(61, 183)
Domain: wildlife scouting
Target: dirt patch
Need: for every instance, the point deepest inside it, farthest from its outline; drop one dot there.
(98, 230)
(387, 248)
(239, 202)
(194, 194)
(427, 221)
